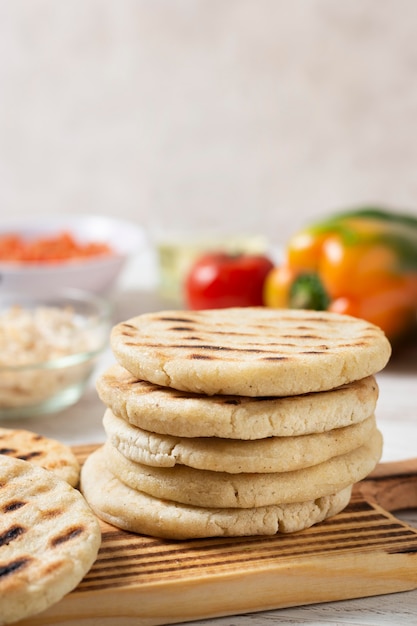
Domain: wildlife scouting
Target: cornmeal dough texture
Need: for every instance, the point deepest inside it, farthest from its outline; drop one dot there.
(251, 351)
(178, 413)
(135, 511)
(272, 454)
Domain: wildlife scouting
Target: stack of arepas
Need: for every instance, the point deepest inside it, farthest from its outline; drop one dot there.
(249, 421)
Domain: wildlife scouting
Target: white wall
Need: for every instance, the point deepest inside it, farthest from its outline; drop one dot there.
(281, 109)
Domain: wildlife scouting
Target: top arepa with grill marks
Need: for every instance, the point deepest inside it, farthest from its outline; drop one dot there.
(251, 351)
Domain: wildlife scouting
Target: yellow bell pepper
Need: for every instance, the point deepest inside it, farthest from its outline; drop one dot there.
(362, 263)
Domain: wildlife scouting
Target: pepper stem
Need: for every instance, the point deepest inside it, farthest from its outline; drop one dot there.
(307, 292)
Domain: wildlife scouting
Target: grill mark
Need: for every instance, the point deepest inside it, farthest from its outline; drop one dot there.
(181, 328)
(13, 566)
(214, 357)
(183, 320)
(11, 534)
(13, 506)
(41, 489)
(320, 343)
(258, 348)
(30, 455)
(229, 333)
(299, 336)
(7, 450)
(202, 346)
(51, 513)
(208, 347)
(312, 352)
(69, 534)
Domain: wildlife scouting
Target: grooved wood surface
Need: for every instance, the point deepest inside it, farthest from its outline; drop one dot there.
(363, 551)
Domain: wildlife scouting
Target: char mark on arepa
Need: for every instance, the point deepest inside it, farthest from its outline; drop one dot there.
(13, 566)
(23, 457)
(11, 534)
(300, 336)
(129, 326)
(216, 332)
(181, 328)
(70, 533)
(180, 320)
(311, 352)
(232, 349)
(13, 506)
(30, 455)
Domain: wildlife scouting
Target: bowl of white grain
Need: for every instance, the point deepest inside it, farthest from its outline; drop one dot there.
(49, 348)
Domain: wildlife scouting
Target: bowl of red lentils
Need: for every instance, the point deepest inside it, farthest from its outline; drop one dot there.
(89, 252)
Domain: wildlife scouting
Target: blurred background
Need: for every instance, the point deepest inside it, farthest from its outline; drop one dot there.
(231, 114)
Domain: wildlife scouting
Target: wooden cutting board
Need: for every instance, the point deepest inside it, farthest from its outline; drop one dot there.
(143, 581)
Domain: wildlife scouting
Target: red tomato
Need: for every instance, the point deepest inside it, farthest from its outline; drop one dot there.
(220, 280)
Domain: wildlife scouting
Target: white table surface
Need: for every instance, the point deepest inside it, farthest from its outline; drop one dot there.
(397, 418)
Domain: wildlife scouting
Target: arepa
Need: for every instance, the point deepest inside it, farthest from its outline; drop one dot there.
(49, 539)
(210, 489)
(271, 454)
(178, 413)
(45, 452)
(251, 351)
(134, 511)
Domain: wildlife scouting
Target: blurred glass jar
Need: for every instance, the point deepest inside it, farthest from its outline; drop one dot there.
(182, 232)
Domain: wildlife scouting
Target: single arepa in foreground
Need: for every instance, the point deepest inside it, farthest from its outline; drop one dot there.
(49, 539)
(250, 351)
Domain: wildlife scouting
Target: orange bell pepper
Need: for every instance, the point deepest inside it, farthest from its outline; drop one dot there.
(362, 263)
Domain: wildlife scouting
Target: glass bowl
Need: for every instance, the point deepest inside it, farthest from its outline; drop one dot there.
(49, 347)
